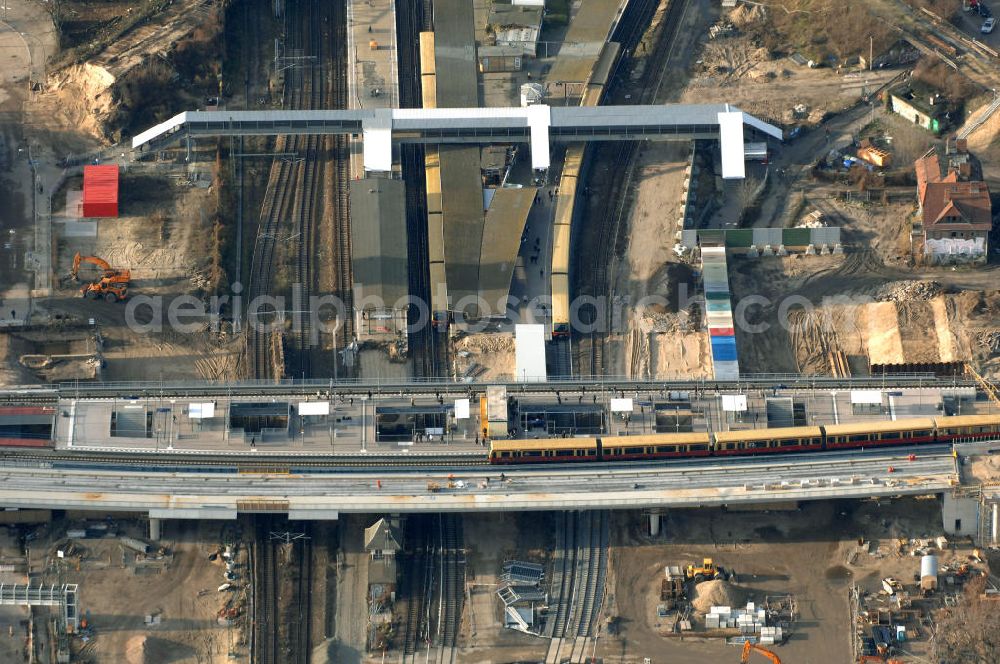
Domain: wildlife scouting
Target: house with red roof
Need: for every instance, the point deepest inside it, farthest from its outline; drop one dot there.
(956, 216)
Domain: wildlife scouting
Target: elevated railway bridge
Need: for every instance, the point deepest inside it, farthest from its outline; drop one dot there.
(314, 450)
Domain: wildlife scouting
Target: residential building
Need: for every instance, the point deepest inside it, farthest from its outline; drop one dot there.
(921, 105)
(956, 217)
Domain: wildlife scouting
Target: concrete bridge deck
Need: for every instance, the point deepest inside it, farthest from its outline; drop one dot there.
(627, 486)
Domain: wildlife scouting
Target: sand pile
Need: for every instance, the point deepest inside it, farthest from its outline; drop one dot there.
(717, 593)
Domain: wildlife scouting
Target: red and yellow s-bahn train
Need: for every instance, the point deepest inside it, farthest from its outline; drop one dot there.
(960, 428)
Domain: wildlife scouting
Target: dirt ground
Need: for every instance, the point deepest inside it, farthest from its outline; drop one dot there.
(144, 612)
(484, 356)
(810, 553)
(660, 334)
(737, 65)
(346, 642)
(491, 539)
(858, 305)
(164, 235)
(735, 68)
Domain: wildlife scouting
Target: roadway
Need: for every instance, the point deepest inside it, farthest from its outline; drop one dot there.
(638, 485)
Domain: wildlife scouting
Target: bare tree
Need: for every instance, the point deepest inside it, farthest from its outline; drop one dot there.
(969, 632)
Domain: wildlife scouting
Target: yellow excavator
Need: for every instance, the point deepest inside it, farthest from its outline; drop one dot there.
(753, 647)
(113, 284)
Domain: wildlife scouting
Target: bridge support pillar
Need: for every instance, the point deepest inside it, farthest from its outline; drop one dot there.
(154, 529)
(654, 524)
(960, 515)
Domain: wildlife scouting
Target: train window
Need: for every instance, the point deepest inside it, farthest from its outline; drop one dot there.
(634, 450)
(666, 448)
(859, 439)
(698, 448)
(591, 453)
(565, 453)
(531, 453)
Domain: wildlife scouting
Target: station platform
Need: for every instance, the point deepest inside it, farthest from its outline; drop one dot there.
(590, 27)
(373, 81)
(266, 427)
(429, 424)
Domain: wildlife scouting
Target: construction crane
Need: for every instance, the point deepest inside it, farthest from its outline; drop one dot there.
(753, 647)
(113, 284)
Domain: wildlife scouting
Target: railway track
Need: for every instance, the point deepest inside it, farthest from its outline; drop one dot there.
(562, 580)
(417, 575)
(606, 237)
(452, 585)
(562, 360)
(341, 160)
(293, 210)
(429, 352)
(578, 585)
(265, 648)
(302, 646)
(234, 463)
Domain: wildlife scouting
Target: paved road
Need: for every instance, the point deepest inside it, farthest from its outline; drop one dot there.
(801, 477)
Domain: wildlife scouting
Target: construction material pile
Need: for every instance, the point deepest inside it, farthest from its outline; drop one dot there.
(716, 593)
(908, 291)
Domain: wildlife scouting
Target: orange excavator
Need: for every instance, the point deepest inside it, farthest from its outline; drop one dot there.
(113, 284)
(753, 647)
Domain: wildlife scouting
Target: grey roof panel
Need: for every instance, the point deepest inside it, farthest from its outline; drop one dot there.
(462, 205)
(378, 232)
(504, 225)
(455, 54)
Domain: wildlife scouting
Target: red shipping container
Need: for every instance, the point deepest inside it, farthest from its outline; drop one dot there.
(100, 191)
(721, 331)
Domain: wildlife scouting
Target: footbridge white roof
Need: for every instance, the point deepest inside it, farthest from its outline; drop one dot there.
(537, 125)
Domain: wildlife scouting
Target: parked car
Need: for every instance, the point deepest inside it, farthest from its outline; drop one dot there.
(988, 25)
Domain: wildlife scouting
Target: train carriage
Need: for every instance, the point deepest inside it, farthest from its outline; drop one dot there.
(878, 434)
(768, 441)
(654, 446)
(601, 448)
(967, 428)
(547, 450)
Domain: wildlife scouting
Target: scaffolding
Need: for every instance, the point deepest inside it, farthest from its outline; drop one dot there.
(64, 596)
